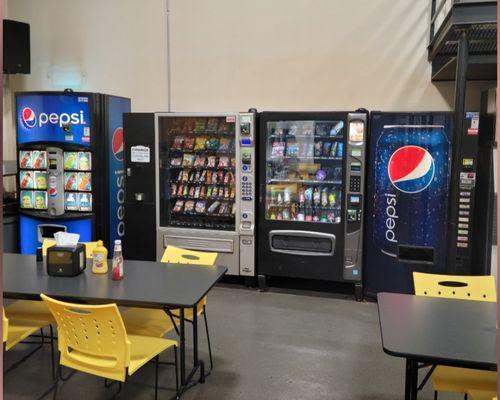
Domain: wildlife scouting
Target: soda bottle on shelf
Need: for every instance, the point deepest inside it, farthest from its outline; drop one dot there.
(117, 268)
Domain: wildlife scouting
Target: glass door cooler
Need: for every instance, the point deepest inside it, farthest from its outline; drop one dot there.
(205, 198)
(311, 185)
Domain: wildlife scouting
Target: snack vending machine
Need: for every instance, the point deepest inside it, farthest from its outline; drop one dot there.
(202, 169)
(70, 159)
(311, 195)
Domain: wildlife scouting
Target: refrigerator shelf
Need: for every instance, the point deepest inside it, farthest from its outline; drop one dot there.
(306, 181)
(202, 198)
(280, 158)
(201, 168)
(297, 205)
(204, 215)
(229, 152)
(306, 136)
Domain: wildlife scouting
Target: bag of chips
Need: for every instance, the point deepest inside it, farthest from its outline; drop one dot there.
(178, 206)
(199, 143)
(187, 160)
(178, 143)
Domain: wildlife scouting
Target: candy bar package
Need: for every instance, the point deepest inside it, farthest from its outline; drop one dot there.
(322, 129)
(233, 192)
(197, 192)
(197, 176)
(200, 126)
(203, 176)
(220, 176)
(223, 209)
(191, 191)
(227, 192)
(214, 177)
(180, 190)
(176, 161)
(173, 189)
(229, 178)
(210, 192)
(178, 206)
(189, 206)
(178, 143)
(185, 175)
(185, 192)
(224, 144)
(213, 207)
(212, 125)
(199, 162)
(333, 150)
(209, 176)
(212, 143)
(233, 162)
(192, 176)
(292, 150)
(189, 143)
(202, 192)
(211, 161)
(200, 206)
(188, 160)
(326, 149)
(318, 149)
(200, 142)
(223, 162)
(278, 149)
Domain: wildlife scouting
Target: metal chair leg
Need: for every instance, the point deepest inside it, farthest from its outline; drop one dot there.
(208, 338)
(52, 355)
(42, 335)
(156, 376)
(176, 370)
(435, 395)
(465, 396)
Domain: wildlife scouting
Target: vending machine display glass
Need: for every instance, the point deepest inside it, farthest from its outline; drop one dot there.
(304, 171)
(197, 159)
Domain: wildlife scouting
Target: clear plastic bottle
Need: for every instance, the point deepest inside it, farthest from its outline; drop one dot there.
(117, 269)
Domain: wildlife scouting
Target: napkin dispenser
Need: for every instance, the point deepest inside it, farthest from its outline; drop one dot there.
(66, 260)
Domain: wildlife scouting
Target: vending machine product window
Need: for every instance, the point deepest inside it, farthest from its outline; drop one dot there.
(197, 159)
(304, 171)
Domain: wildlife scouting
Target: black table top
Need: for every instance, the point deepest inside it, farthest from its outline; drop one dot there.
(440, 331)
(145, 283)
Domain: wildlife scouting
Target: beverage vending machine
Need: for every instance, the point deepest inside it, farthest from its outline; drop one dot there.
(70, 159)
(409, 201)
(191, 183)
(311, 195)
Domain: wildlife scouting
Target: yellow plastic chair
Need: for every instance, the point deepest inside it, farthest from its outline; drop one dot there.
(481, 395)
(16, 330)
(156, 322)
(477, 288)
(93, 339)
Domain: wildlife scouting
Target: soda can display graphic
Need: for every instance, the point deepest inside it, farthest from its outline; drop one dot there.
(71, 201)
(39, 159)
(40, 200)
(411, 190)
(25, 159)
(84, 161)
(85, 181)
(70, 160)
(41, 180)
(70, 181)
(26, 199)
(85, 202)
(26, 180)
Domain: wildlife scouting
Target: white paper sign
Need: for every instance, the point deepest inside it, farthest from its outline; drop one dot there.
(140, 154)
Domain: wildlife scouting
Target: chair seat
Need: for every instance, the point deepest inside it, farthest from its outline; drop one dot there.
(20, 330)
(148, 322)
(452, 379)
(482, 394)
(145, 348)
(30, 310)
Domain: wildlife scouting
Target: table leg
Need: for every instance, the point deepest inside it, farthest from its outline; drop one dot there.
(182, 339)
(196, 360)
(411, 380)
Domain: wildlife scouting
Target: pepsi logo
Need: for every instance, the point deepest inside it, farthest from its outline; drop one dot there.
(411, 169)
(117, 143)
(28, 118)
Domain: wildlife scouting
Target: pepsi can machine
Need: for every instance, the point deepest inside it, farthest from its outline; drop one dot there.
(408, 199)
(70, 160)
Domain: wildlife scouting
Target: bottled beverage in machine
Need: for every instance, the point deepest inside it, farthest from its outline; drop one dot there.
(117, 268)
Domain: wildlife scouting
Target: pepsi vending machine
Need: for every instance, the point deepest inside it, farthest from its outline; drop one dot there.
(407, 198)
(70, 158)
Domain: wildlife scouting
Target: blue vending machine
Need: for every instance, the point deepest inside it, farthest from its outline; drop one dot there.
(70, 159)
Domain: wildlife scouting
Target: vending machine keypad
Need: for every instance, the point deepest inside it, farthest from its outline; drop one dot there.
(355, 184)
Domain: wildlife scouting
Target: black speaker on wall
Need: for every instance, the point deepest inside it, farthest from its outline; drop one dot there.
(16, 47)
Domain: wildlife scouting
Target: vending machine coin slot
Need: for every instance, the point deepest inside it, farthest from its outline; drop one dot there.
(55, 181)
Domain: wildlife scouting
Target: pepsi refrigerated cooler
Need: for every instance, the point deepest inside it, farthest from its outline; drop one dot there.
(409, 202)
(311, 188)
(70, 159)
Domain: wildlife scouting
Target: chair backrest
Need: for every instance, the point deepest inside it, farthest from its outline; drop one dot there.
(178, 255)
(89, 247)
(480, 288)
(5, 326)
(92, 338)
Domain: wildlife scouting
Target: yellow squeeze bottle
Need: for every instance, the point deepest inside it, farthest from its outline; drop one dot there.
(100, 259)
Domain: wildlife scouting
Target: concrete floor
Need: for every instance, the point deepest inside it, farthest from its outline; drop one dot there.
(274, 345)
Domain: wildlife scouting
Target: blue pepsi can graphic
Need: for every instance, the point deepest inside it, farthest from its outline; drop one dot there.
(412, 165)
